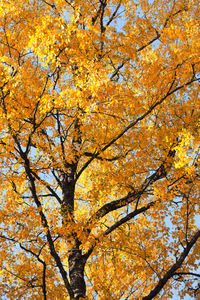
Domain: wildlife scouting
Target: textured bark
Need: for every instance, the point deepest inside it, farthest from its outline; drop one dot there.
(76, 273)
(68, 187)
(68, 176)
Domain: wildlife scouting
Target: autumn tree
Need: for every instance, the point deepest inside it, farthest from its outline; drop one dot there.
(99, 139)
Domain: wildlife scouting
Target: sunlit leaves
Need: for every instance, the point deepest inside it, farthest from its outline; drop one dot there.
(98, 95)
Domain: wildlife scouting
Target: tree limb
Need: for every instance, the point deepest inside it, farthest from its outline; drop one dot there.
(186, 274)
(119, 223)
(160, 173)
(172, 271)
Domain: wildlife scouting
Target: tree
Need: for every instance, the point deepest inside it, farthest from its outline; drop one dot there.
(99, 137)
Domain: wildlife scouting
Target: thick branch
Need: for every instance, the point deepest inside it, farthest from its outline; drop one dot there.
(171, 272)
(160, 173)
(100, 13)
(129, 217)
(119, 223)
(89, 154)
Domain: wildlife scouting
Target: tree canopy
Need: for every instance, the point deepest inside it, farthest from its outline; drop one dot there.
(99, 139)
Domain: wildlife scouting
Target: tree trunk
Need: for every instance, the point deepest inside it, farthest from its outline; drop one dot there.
(76, 273)
(68, 197)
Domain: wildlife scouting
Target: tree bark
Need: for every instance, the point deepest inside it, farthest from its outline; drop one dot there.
(76, 273)
(68, 187)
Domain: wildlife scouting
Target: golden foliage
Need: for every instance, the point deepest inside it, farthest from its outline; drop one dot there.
(99, 138)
